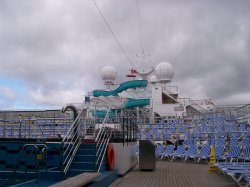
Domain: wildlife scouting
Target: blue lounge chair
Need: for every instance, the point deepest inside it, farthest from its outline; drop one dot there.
(233, 154)
(204, 153)
(190, 153)
(219, 152)
(159, 150)
(168, 151)
(246, 154)
(179, 152)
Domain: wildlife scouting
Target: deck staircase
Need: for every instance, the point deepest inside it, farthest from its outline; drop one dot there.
(195, 106)
(85, 159)
(85, 155)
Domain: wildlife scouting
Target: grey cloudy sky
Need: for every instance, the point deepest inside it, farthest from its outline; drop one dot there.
(52, 52)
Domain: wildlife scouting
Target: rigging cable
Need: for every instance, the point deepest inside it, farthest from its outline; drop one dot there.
(117, 41)
(140, 27)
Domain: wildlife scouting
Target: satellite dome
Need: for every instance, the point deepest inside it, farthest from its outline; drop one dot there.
(108, 73)
(153, 79)
(164, 71)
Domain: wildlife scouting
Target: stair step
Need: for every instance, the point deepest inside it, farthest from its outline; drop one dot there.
(84, 158)
(88, 146)
(86, 152)
(83, 165)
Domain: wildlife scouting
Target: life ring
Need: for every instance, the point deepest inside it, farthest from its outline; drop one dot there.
(110, 157)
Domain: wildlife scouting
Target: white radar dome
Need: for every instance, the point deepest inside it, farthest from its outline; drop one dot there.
(108, 73)
(153, 79)
(164, 72)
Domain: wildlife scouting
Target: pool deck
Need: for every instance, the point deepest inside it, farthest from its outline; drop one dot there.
(175, 174)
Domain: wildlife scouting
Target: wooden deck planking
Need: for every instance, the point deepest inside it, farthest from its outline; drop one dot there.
(174, 174)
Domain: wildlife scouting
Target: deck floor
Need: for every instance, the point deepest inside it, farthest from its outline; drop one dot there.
(175, 174)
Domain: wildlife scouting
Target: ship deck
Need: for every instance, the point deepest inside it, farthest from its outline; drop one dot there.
(175, 174)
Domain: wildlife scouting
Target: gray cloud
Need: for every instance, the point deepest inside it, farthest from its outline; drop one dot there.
(57, 48)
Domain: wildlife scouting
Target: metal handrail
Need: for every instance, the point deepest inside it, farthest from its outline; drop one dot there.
(35, 146)
(71, 158)
(103, 125)
(75, 136)
(71, 149)
(103, 155)
(102, 149)
(72, 126)
(102, 140)
(44, 154)
(71, 143)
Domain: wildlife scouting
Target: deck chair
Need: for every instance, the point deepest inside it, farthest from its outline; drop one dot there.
(204, 153)
(168, 152)
(233, 141)
(159, 150)
(178, 153)
(233, 154)
(245, 142)
(219, 152)
(246, 154)
(190, 153)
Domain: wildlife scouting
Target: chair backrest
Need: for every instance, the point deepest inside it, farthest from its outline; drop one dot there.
(219, 151)
(147, 136)
(188, 142)
(220, 141)
(157, 135)
(169, 149)
(192, 150)
(233, 141)
(211, 141)
(205, 150)
(159, 149)
(242, 127)
(245, 142)
(180, 149)
(234, 151)
(247, 152)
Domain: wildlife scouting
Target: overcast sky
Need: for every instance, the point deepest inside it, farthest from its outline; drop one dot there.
(52, 51)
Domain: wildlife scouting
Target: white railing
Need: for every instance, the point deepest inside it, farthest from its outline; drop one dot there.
(102, 147)
(103, 125)
(196, 106)
(71, 142)
(178, 99)
(102, 140)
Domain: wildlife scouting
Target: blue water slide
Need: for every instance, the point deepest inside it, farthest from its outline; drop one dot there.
(129, 104)
(136, 102)
(102, 113)
(124, 86)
